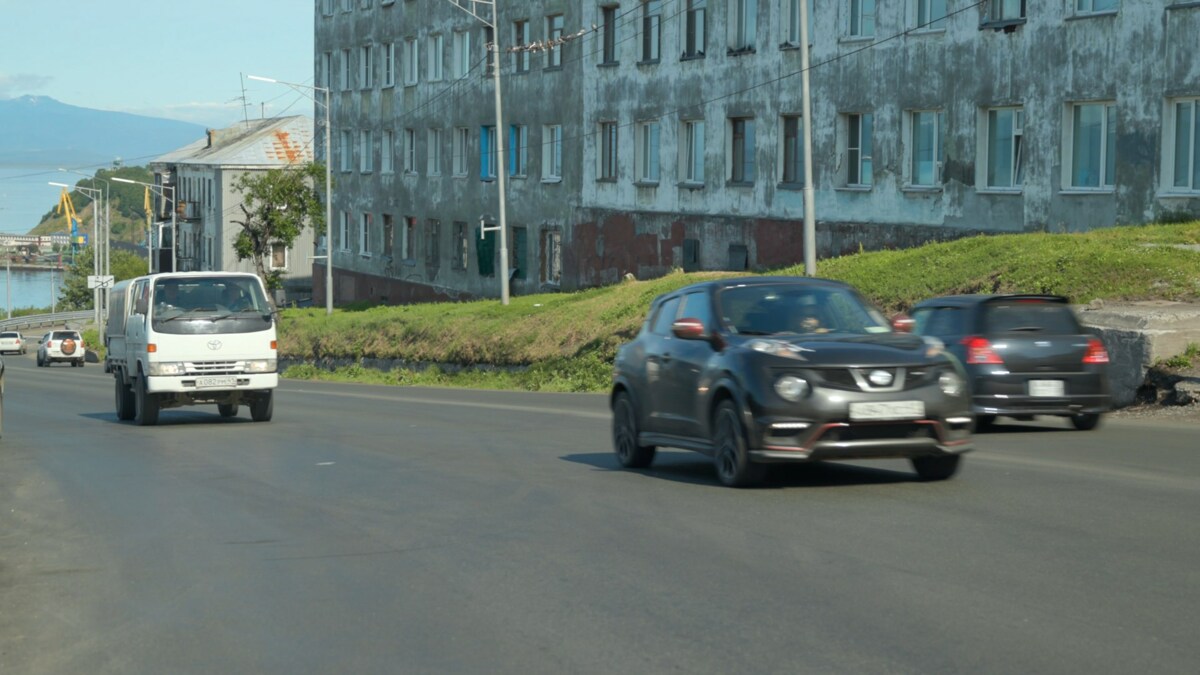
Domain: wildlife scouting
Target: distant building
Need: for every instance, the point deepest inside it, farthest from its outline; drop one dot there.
(671, 136)
(204, 173)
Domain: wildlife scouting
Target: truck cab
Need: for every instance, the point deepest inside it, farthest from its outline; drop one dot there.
(192, 338)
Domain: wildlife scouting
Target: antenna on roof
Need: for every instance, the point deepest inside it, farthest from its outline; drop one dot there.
(245, 103)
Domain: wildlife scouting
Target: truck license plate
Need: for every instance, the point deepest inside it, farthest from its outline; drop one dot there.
(1046, 388)
(887, 410)
(217, 381)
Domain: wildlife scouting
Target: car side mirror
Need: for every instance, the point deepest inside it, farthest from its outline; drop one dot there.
(689, 329)
(903, 323)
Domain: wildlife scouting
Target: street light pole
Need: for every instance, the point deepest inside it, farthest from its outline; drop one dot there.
(500, 164)
(161, 191)
(94, 194)
(328, 182)
(810, 208)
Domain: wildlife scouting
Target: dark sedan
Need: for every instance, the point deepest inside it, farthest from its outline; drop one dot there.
(761, 370)
(1025, 355)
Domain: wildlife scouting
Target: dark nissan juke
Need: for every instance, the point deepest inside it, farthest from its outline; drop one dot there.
(760, 370)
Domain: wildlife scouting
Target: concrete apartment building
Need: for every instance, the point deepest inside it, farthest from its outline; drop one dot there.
(670, 135)
(203, 175)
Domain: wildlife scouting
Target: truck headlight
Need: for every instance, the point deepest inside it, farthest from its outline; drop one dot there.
(166, 368)
(260, 366)
(791, 388)
(950, 383)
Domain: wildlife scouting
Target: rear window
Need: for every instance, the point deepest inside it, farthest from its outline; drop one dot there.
(1031, 316)
(64, 335)
(10, 335)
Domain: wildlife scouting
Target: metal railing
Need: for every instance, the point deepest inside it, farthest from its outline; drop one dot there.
(47, 320)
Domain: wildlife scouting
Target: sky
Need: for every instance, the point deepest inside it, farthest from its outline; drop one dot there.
(178, 59)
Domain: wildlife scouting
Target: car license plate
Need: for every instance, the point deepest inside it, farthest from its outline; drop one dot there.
(217, 381)
(1046, 388)
(887, 410)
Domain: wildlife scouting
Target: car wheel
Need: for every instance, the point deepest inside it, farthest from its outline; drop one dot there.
(625, 435)
(936, 468)
(731, 457)
(263, 407)
(1086, 421)
(124, 399)
(227, 409)
(984, 422)
(145, 405)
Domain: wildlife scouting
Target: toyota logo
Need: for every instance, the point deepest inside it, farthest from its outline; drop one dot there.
(216, 344)
(880, 378)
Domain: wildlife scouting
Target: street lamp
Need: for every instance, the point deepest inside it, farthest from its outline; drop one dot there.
(160, 190)
(94, 194)
(328, 184)
(101, 251)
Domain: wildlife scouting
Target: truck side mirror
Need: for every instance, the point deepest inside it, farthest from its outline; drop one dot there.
(139, 307)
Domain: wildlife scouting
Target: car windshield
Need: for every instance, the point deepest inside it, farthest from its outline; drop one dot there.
(201, 305)
(769, 309)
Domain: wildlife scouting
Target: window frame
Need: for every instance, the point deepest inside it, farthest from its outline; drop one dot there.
(1091, 10)
(1171, 146)
(1016, 150)
(742, 26)
(609, 164)
(389, 65)
(433, 152)
(366, 71)
(387, 144)
(860, 150)
(461, 142)
(410, 151)
(554, 31)
(742, 151)
(915, 122)
(520, 57)
(346, 151)
(344, 233)
(366, 151)
(411, 62)
(857, 24)
(608, 35)
(692, 156)
(651, 47)
(647, 153)
(1106, 182)
(461, 54)
(694, 29)
(552, 148)
(435, 65)
(791, 150)
(518, 156)
(364, 234)
(922, 13)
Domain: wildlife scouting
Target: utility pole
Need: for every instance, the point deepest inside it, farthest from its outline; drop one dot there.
(810, 208)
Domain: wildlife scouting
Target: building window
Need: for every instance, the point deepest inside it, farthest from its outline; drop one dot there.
(1093, 145)
(346, 152)
(550, 266)
(345, 70)
(365, 70)
(647, 152)
(694, 29)
(609, 33)
(1003, 151)
(386, 148)
(327, 70)
(326, 7)
(1095, 6)
(366, 153)
(743, 24)
(552, 152)
(347, 5)
(459, 261)
(462, 144)
(860, 149)
(408, 241)
(741, 155)
(277, 257)
(489, 49)
(1006, 10)
(520, 40)
(692, 152)
(929, 14)
(792, 152)
(344, 232)
(410, 151)
(793, 22)
(651, 30)
(925, 147)
(862, 19)
(433, 235)
(411, 62)
(554, 32)
(1183, 151)
(433, 165)
(485, 252)
(389, 64)
(462, 54)
(518, 143)
(389, 234)
(437, 45)
(608, 151)
(519, 254)
(364, 235)
(488, 153)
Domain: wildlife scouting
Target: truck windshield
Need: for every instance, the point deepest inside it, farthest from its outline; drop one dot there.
(207, 305)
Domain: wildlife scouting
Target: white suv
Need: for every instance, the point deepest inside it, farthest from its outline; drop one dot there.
(61, 345)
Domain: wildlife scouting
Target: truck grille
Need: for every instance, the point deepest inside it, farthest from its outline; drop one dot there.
(215, 367)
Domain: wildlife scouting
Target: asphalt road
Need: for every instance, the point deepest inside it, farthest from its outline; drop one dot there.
(389, 530)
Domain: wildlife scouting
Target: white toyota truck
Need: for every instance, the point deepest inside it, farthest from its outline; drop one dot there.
(190, 338)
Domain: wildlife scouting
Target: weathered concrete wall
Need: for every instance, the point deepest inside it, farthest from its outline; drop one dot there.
(1139, 334)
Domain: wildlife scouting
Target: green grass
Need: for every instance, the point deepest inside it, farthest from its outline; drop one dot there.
(566, 341)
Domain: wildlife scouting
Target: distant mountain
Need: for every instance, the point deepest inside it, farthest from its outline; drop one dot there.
(38, 130)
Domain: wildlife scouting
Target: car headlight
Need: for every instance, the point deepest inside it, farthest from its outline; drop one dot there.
(791, 388)
(950, 383)
(260, 366)
(166, 368)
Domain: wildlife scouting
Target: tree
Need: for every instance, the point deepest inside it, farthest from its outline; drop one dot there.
(276, 207)
(75, 294)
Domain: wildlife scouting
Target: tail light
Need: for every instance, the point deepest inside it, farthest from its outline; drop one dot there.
(979, 351)
(49, 344)
(1096, 353)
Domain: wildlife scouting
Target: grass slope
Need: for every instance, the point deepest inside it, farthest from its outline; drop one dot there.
(568, 340)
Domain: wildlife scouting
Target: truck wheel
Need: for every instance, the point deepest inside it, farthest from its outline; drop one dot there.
(125, 402)
(262, 407)
(146, 405)
(227, 409)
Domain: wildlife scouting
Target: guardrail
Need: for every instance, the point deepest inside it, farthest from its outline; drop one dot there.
(47, 320)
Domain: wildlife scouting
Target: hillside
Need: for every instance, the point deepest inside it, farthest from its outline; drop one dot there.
(127, 208)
